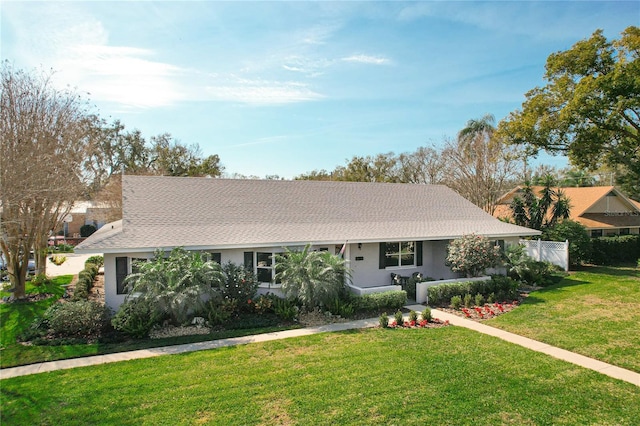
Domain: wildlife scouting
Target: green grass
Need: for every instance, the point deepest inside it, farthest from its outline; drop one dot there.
(17, 317)
(594, 312)
(446, 376)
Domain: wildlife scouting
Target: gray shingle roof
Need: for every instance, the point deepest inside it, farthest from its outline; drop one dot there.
(226, 213)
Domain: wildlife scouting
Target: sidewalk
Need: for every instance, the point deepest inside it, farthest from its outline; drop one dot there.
(583, 361)
(43, 367)
(577, 359)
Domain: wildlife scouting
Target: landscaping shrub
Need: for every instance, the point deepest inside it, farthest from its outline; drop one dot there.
(40, 280)
(76, 319)
(240, 285)
(615, 250)
(87, 230)
(135, 318)
(413, 316)
(61, 248)
(96, 260)
(384, 320)
(523, 268)
(467, 300)
(177, 285)
(398, 317)
(217, 313)
(313, 278)
(264, 303)
(472, 254)
(479, 299)
(426, 314)
(504, 288)
(394, 299)
(285, 309)
(341, 307)
(456, 302)
(58, 259)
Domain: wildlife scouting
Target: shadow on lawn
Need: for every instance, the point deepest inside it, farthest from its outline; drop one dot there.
(566, 283)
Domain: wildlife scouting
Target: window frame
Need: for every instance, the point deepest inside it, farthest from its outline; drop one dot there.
(398, 255)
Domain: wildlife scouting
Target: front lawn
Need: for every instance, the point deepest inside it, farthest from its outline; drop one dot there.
(594, 312)
(446, 376)
(15, 318)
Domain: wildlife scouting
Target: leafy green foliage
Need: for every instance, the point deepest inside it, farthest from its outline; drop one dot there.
(615, 250)
(523, 268)
(178, 284)
(136, 317)
(313, 278)
(540, 211)
(456, 301)
(75, 319)
(589, 107)
(87, 230)
(579, 240)
(394, 299)
(504, 288)
(240, 285)
(96, 260)
(471, 255)
(61, 248)
(426, 314)
(384, 320)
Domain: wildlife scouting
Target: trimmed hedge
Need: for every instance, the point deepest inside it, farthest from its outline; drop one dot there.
(395, 299)
(615, 250)
(504, 288)
(85, 281)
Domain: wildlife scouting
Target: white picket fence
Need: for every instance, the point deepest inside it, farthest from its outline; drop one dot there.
(556, 252)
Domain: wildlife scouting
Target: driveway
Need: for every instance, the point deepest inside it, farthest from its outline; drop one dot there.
(72, 266)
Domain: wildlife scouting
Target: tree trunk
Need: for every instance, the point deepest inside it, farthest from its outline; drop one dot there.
(40, 254)
(17, 269)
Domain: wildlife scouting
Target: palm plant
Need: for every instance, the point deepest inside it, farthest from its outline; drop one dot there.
(540, 212)
(313, 278)
(178, 284)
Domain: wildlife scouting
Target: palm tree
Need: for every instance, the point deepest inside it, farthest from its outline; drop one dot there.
(540, 212)
(313, 278)
(176, 285)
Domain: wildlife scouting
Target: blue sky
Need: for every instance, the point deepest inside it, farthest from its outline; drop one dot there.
(288, 87)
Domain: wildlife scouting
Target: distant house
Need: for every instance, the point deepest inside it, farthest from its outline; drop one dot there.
(81, 213)
(603, 210)
(380, 228)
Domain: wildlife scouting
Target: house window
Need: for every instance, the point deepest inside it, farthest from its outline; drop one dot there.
(122, 270)
(399, 254)
(216, 257)
(124, 267)
(624, 231)
(595, 233)
(266, 268)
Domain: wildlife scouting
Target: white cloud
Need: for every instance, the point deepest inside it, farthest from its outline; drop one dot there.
(366, 59)
(260, 92)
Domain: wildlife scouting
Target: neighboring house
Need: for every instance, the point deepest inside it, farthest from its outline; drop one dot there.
(384, 228)
(603, 210)
(81, 213)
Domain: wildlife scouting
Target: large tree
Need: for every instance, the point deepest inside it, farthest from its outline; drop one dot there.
(589, 109)
(480, 166)
(43, 135)
(115, 150)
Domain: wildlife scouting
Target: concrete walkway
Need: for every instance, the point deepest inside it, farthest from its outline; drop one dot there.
(72, 266)
(577, 359)
(43, 367)
(583, 361)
